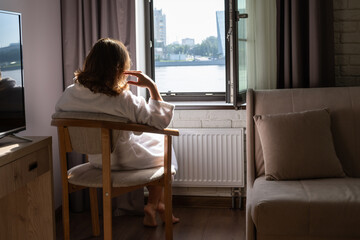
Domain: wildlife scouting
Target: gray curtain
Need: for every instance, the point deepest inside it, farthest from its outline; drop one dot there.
(305, 43)
(83, 23)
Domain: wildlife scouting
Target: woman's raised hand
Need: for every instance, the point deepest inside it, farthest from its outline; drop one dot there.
(144, 81)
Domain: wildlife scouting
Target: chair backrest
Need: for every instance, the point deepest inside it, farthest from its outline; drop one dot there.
(87, 140)
(84, 129)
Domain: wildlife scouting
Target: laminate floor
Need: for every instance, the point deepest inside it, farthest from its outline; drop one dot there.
(195, 224)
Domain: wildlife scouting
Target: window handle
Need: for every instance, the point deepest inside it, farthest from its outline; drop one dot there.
(241, 15)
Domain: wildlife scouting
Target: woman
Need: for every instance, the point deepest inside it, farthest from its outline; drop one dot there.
(102, 87)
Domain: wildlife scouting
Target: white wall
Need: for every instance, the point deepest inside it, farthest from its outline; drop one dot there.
(41, 28)
(209, 119)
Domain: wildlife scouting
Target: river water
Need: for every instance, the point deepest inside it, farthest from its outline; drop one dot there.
(190, 78)
(13, 74)
(174, 78)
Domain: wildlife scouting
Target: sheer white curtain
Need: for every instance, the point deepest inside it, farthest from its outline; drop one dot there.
(261, 47)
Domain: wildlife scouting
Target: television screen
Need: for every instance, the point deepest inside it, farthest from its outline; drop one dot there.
(12, 110)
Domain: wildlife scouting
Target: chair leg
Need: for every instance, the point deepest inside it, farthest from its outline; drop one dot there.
(107, 212)
(65, 214)
(64, 183)
(168, 212)
(106, 175)
(94, 212)
(167, 188)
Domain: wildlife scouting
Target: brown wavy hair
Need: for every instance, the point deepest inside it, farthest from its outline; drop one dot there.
(104, 66)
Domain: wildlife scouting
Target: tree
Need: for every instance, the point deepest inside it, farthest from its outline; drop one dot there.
(175, 49)
(210, 44)
(208, 47)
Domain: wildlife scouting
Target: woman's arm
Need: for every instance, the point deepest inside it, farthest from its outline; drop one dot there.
(145, 81)
(155, 112)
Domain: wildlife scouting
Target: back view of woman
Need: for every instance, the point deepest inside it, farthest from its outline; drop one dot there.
(101, 87)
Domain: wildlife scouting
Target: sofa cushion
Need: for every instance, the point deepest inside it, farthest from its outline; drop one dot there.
(324, 208)
(298, 145)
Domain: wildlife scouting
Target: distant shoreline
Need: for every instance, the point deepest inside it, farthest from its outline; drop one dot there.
(190, 63)
(9, 68)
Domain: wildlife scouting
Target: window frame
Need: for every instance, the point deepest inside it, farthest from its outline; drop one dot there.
(234, 95)
(231, 66)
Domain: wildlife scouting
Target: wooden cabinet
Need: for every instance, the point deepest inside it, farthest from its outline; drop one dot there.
(26, 189)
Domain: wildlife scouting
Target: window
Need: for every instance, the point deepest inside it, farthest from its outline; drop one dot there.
(198, 49)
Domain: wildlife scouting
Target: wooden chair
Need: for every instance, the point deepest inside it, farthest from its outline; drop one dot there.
(91, 133)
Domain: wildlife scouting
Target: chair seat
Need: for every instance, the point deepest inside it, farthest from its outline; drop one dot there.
(90, 176)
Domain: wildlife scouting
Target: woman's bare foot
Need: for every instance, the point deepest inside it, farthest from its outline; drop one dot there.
(161, 210)
(150, 215)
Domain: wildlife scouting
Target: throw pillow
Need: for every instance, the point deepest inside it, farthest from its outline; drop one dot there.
(298, 145)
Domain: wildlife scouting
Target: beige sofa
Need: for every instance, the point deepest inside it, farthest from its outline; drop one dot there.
(317, 199)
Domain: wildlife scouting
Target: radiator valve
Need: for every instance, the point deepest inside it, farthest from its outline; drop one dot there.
(235, 194)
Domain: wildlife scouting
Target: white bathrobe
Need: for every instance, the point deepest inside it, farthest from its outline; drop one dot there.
(131, 151)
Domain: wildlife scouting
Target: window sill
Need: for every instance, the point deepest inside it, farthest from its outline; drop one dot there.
(205, 105)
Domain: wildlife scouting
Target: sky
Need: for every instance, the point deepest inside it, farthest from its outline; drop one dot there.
(9, 29)
(189, 18)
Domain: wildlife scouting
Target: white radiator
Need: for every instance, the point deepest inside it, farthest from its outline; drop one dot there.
(210, 157)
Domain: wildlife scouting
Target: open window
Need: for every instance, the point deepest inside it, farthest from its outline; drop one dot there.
(197, 49)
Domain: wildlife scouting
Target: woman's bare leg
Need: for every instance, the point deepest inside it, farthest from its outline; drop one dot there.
(161, 209)
(155, 204)
(152, 205)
